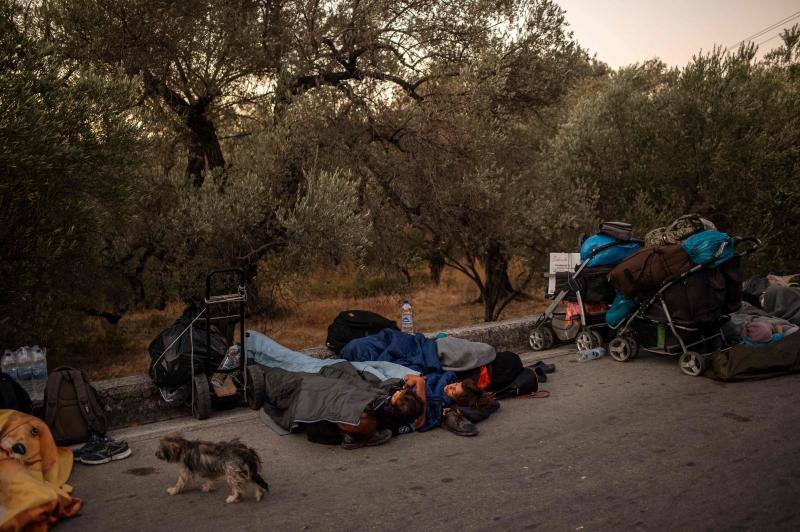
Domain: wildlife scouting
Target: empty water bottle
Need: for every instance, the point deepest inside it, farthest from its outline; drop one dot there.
(24, 369)
(590, 354)
(9, 364)
(407, 318)
(38, 372)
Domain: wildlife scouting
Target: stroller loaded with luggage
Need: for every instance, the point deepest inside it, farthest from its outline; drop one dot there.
(680, 301)
(587, 289)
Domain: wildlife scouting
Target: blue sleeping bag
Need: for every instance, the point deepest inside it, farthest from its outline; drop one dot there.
(701, 247)
(620, 309)
(413, 351)
(610, 256)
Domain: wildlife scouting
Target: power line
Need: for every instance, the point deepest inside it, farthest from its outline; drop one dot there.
(765, 30)
(767, 40)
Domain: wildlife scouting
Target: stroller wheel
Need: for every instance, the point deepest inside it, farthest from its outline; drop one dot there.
(598, 338)
(587, 339)
(623, 348)
(692, 364)
(541, 338)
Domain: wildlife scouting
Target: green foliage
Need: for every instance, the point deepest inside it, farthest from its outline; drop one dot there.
(66, 147)
(720, 137)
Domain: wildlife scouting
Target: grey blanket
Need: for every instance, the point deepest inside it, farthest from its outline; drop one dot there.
(338, 393)
(747, 313)
(457, 354)
(783, 302)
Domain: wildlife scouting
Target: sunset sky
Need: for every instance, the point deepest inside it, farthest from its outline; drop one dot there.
(622, 32)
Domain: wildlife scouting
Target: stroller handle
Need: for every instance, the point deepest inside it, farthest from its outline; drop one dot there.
(755, 244)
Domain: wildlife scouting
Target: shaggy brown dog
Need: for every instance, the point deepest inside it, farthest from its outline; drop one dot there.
(236, 461)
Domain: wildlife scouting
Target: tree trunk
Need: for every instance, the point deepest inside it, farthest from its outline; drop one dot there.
(497, 285)
(205, 152)
(436, 264)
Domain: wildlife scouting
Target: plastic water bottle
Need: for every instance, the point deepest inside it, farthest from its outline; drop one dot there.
(38, 372)
(9, 364)
(24, 369)
(407, 318)
(231, 361)
(590, 354)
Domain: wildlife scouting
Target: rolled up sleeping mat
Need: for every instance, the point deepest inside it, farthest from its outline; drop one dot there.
(617, 230)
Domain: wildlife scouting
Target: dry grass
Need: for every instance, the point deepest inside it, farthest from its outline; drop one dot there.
(105, 350)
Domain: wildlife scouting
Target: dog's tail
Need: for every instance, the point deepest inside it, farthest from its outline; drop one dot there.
(255, 477)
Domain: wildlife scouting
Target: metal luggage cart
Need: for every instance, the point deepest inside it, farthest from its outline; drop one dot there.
(224, 303)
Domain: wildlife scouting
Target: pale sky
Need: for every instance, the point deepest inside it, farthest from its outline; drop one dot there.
(622, 32)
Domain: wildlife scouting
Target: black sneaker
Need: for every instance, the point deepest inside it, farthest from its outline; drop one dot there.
(102, 450)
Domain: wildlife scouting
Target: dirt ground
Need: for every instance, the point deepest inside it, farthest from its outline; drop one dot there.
(104, 350)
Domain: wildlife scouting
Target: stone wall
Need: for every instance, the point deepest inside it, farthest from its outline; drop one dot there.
(134, 400)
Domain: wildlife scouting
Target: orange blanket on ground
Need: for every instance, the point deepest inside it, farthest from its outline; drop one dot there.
(33, 475)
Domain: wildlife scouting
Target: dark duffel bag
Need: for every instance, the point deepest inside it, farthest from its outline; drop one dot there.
(647, 269)
(617, 230)
(744, 362)
(352, 324)
(699, 298)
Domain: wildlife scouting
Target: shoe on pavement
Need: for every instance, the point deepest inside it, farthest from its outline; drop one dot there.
(546, 368)
(455, 422)
(350, 442)
(101, 450)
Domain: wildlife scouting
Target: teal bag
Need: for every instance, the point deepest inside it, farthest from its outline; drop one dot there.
(702, 247)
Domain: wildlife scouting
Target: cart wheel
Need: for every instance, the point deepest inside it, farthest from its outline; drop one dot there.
(541, 338)
(692, 364)
(622, 348)
(256, 388)
(201, 405)
(587, 339)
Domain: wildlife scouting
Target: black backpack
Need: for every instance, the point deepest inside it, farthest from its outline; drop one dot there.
(352, 324)
(13, 396)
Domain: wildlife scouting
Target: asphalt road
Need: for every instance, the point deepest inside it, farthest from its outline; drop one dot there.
(616, 447)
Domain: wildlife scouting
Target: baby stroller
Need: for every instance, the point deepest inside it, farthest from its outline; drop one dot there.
(684, 316)
(590, 289)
